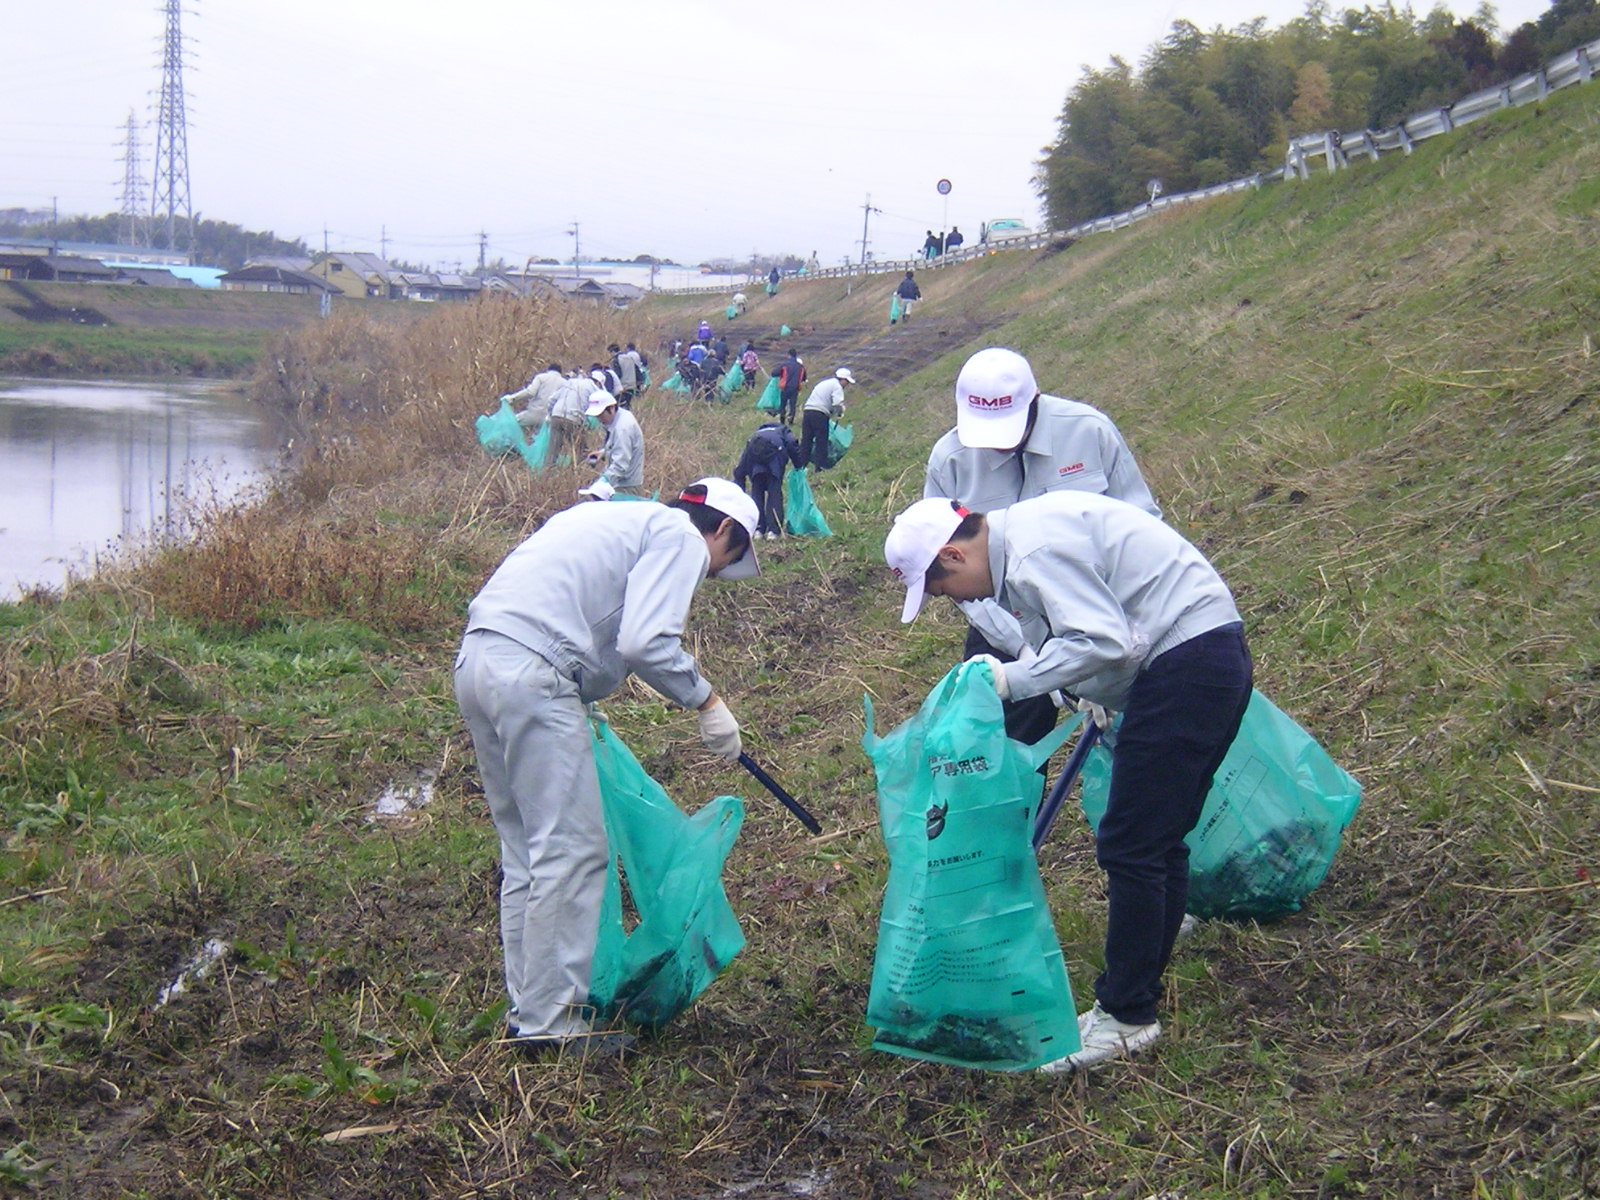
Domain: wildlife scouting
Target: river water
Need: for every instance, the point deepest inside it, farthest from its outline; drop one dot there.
(89, 466)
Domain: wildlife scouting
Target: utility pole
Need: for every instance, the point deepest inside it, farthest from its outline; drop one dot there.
(483, 250)
(383, 242)
(866, 215)
(130, 225)
(171, 193)
(577, 269)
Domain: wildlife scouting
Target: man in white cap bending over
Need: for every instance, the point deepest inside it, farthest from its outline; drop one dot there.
(623, 451)
(1011, 442)
(598, 592)
(1121, 610)
(824, 404)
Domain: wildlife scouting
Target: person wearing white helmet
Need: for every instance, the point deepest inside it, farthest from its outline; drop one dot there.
(824, 404)
(623, 450)
(598, 592)
(1012, 442)
(1122, 610)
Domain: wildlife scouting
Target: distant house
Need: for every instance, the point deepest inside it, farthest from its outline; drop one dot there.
(580, 287)
(67, 268)
(289, 262)
(262, 278)
(151, 277)
(434, 287)
(622, 294)
(15, 266)
(361, 276)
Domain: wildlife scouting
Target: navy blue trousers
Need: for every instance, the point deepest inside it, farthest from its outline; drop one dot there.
(1182, 715)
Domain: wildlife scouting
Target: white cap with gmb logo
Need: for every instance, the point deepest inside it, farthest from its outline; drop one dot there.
(914, 542)
(993, 395)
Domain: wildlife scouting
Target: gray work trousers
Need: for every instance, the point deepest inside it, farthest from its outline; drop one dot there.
(531, 734)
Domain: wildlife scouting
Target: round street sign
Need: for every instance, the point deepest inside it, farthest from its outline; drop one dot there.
(944, 187)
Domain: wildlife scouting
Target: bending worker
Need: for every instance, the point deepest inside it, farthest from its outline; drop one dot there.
(1011, 442)
(623, 450)
(1127, 614)
(598, 592)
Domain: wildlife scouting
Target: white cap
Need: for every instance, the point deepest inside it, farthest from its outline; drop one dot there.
(844, 374)
(993, 395)
(600, 489)
(729, 498)
(598, 403)
(914, 542)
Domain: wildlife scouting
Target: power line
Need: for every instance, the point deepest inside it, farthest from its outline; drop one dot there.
(171, 192)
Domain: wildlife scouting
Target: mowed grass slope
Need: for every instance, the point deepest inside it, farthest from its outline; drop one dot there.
(1369, 398)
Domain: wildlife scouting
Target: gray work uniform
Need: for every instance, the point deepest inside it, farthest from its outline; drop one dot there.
(1100, 589)
(567, 418)
(536, 398)
(1073, 446)
(601, 590)
(624, 453)
(1124, 611)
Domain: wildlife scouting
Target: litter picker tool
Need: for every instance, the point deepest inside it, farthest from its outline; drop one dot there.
(788, 801)
(1051, 807)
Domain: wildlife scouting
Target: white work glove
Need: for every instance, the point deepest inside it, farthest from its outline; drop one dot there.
(1001, 686)
(1095, 713)
(720, 732)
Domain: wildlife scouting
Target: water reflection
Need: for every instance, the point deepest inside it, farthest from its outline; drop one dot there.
(87, 465)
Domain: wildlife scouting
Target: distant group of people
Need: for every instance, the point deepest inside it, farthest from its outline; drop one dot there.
(565, 400)
(936, 244)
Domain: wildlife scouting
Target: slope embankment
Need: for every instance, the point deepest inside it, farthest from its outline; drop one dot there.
(1371, 399)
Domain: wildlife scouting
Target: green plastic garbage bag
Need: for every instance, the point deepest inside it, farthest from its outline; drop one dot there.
(644, 380)
(1271, 823)
(771, 398)
(686, 932)
(498, 432)
(732, 311)
(539, 451)
(675, 384)
(784, 331)
(968, 969)
(840, 438)
(730, 383)
(894, 309)
(772, 289)
(801, 514)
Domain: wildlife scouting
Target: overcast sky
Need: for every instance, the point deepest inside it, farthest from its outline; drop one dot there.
(687, 129)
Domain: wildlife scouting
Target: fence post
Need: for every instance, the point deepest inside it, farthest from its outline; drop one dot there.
(1585, 67)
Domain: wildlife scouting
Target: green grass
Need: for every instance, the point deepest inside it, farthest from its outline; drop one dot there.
(1368, 397)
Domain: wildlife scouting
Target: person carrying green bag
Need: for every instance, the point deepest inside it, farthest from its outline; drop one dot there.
(824, 405)
(598, 592)
(1116, 608)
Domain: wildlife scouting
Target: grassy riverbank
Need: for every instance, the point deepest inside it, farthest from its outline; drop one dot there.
(86, 330)
(1369, 398)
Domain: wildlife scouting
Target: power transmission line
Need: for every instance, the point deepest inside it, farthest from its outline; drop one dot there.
(131, 222)
(170, 198)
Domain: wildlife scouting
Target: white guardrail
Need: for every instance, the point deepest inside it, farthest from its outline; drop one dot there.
(1335, 148)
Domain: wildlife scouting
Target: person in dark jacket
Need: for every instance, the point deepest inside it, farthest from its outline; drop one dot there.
(791, 374)
(953, 240)
(770, 452)
(908, 291)
(711, 373)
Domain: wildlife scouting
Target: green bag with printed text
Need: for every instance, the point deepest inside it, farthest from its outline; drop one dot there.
(968, 968)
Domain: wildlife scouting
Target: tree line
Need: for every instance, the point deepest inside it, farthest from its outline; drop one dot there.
(1204, 108)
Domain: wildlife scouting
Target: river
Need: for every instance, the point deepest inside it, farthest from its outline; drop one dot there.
(87, 467)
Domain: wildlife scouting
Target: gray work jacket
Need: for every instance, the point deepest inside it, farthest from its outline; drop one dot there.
(1100, 590)
(602, 590)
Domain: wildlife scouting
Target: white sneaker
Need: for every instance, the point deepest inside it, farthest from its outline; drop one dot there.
(1104, 1038)
(771, 537)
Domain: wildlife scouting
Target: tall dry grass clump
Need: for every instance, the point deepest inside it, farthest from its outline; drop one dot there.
(369, 398)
